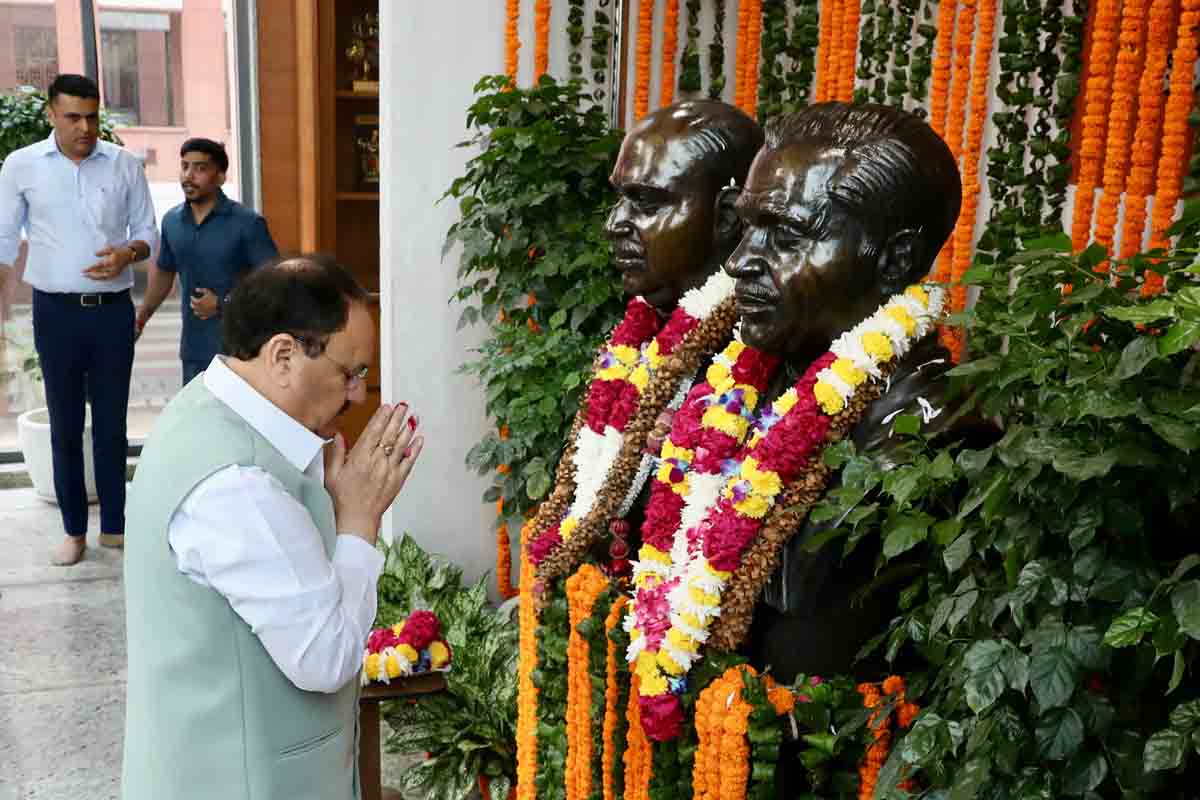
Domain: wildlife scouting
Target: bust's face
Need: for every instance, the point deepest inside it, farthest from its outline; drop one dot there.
(803, 271)
(662, 226)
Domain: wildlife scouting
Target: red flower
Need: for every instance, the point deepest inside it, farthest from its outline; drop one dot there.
(544, 545)
(727, 535)
(662, 517)
(685, 425)
(662, 716)
(679, 325)
(654, 612)
(420, 629)
(601, 396)
(639, 324)
(754, 367)
(624, 404)
(714, 447)
(381, 638)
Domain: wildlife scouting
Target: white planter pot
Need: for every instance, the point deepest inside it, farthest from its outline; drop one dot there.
(33, 432)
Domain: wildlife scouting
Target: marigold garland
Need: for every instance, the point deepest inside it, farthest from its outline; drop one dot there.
(1120, 120)
(670, 45)
(512, 42)
(638, 755)
(740, 55)
(504, 586)
(721, 769)
(956, 118)
(753, 51)
(1100, 60)
(527, 696)
(848, 51)
(964, 233)
(645, 43)
(583, 588)
(877, 754)
(1148, 131)
(541, 41)
(829, 23)
(611, 692)
(1173, 160)
(940, 79)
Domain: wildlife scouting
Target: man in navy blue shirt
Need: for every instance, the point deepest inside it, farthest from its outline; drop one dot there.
(209, 240)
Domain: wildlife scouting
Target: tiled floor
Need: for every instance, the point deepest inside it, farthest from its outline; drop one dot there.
(62, 661)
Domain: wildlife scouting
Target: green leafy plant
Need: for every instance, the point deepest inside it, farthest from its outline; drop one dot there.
(535, 267)
(23, 121)
(1052, 603)
(468, 730)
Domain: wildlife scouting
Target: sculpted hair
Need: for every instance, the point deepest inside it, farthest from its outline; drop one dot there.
(308, 296)
(214, 150)
(723, 138)
(74, 85)
(897, 172)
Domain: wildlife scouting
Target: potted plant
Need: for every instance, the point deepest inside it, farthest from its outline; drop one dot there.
(23, 122)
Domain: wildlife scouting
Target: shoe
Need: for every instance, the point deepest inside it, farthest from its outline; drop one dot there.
(68, 552)
(115, 540)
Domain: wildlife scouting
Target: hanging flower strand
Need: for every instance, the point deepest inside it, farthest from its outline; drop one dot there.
(670, 45)
(512, 42)
(645, 43)
(541, 42)
(1100, 60)
(940, 79)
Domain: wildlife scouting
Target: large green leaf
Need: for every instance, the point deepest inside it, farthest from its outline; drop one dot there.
(1185, 602)
(1129, 628)
(1053, 676)
(1165, 749)
(1059, 733)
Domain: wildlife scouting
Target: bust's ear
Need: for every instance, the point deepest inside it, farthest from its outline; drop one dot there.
(727, 226)
(899, 260)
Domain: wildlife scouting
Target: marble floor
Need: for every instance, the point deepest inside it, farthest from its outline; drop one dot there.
(62, 661)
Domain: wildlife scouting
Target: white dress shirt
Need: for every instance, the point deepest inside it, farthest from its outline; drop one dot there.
(240, 533)
(69, 211)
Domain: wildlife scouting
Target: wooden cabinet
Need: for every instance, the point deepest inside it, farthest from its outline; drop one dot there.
(320, 186)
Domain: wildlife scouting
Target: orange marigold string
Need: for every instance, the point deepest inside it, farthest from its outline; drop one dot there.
(1174, 157)
(512, 42)
(939, 85)
(721, 769)
(1100, 60)
(829, 35)
(666, 93)
(541, 41)
(637, 750)
(740, 55)
(753, 50)
(612, 690)
(1120, 120)
(645, 42)
(956, 117)
(1148, 130)
(583, 587)
(848, 52)
(877, 753)
(527, 721)
(964, 232)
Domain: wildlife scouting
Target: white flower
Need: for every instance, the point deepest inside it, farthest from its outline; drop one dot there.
(700, 302)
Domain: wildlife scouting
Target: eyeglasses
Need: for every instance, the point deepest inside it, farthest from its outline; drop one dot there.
(353, 376)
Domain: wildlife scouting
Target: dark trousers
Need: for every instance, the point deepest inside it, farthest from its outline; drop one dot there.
(193, 368)
(86, 353)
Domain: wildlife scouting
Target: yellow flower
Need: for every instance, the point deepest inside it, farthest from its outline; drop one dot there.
(749, 395)
(831, 402)
(668, 664)
(625, 354)
(785, 401)
(682, 641)
(653, 684)
(898, 313)
(393, 664)
(372, 666)
(439, 654)
(647, 580)
(733, 350)
(755, 506)
(718, 375)
(398, 627)
(878, 346)
(719, 419)
(844, 368)
(408, 652)
(568, 527)
(719, 574)
(671, 450)
(762, 481)
(703, 598)
(649, 552)
(616, 372)
(653, 356)
(640, 378)
(691, 620)
(918, 294)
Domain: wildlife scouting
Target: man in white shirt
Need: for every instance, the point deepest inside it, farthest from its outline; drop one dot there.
(85, 208)
(251, 577)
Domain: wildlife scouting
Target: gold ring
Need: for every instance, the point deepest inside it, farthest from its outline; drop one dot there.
(388, 450)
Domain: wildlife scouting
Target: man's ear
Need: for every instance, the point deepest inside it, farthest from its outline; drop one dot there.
(278, 353)
(727, 226)
(900, 260)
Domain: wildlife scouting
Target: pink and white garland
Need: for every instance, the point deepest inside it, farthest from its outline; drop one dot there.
(679, 583)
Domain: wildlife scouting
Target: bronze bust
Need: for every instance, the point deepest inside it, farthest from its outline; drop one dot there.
(677, 176)
(843, 207)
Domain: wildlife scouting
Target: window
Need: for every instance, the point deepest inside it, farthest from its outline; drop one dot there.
(35, 56)
(138, 52)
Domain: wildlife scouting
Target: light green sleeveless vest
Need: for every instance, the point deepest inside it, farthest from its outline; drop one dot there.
(208, 714)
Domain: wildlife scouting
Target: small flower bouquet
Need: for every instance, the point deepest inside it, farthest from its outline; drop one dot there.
(411, 647)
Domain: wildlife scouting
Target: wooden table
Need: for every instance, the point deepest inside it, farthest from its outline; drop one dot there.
(368, 721)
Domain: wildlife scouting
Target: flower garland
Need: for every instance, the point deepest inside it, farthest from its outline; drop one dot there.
(1100, 60)
(741, 56)
(1120, 120)
(848, 51)
(877, 754)
(1148, 130)
(677, 601)
(716, 55)
(609, 466)
(964, 232)
(583, 588)
(753, 48)
(638, 755)
(527, 694)
(830, 21)
(512, 42)
(541, 42)
(645, 43)
(956, 121)
(940, 87)
(504, 586)
(1173, 160)
(406, 648)
(612, 693)
(670, 44)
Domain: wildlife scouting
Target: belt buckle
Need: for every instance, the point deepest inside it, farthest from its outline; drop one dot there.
(89, 300)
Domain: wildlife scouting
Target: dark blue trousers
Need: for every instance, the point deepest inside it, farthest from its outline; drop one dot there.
(193, 368)
(86, 353)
